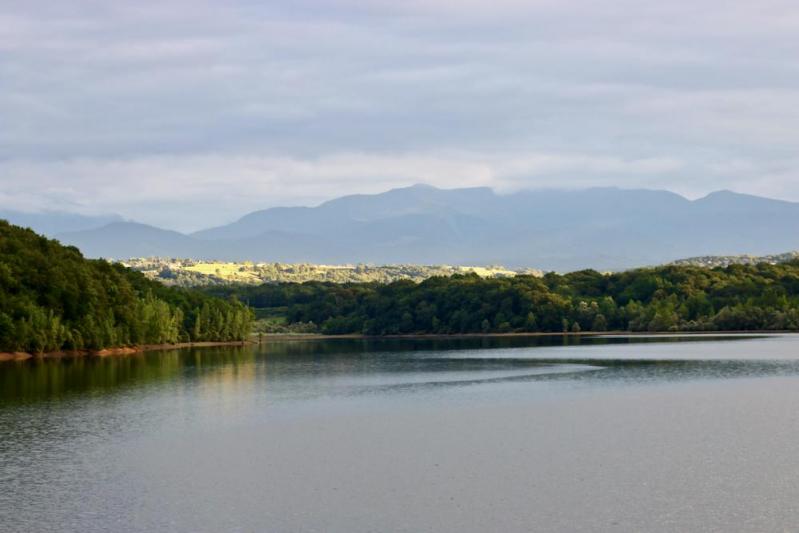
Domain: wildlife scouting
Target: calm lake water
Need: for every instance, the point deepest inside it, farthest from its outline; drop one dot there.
(511, 434)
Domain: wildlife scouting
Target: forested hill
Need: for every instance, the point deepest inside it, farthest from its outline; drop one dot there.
(52, 298)
(670, 298)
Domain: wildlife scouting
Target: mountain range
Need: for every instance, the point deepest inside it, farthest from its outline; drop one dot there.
(53, 222)
(601, 228)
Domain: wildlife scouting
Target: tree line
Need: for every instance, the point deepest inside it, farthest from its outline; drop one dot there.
(52, 298)
(668, 298)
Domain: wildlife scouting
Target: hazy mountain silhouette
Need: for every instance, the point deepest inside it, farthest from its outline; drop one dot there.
(121, 240)
(603, 228)
(50, 223)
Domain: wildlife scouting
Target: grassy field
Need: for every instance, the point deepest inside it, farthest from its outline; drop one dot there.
(193, 272)
(235, 272)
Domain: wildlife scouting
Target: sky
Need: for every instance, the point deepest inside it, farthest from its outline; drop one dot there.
(187, 114)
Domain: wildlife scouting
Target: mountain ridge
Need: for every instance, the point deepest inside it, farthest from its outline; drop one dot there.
(52, 222)
(553, 229)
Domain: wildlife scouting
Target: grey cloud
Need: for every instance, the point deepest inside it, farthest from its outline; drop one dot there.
(93, 92)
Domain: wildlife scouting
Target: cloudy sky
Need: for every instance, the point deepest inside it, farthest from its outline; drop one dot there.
(189, 113)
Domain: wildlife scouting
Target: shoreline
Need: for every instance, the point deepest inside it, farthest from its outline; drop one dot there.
(266, 337)
(123, 350)
(433, 336)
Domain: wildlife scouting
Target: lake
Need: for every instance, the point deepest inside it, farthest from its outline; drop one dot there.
(664, 433)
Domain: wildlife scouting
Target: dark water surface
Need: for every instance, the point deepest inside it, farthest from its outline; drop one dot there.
(666, 433)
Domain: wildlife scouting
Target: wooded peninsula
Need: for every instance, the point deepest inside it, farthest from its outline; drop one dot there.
(669, 298)
(52, 299)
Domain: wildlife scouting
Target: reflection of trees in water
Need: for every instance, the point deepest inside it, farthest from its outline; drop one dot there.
(224, 368)
(49, 378)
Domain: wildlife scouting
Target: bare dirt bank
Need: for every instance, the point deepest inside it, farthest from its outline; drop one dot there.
(125, 350)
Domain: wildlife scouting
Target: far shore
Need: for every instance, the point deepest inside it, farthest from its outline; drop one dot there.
(320, 336)
(123, 350)
(266, 337)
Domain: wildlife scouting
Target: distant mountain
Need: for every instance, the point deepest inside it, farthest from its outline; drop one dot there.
(120, 240)
(50, 223)
(602, 228)
(342, 213)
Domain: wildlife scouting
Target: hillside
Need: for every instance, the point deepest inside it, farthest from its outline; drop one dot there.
(52, 298)
(670, 298)
(713, 261)
(194, 273)
(605, 229)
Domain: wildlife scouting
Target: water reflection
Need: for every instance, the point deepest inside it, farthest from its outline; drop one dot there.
(355, 366)
(510, 434)
(52, 378)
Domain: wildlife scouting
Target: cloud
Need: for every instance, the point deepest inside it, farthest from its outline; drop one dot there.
(163, 109)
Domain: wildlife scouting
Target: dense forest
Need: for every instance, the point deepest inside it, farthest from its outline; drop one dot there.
(668, 298)
(52, 298)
